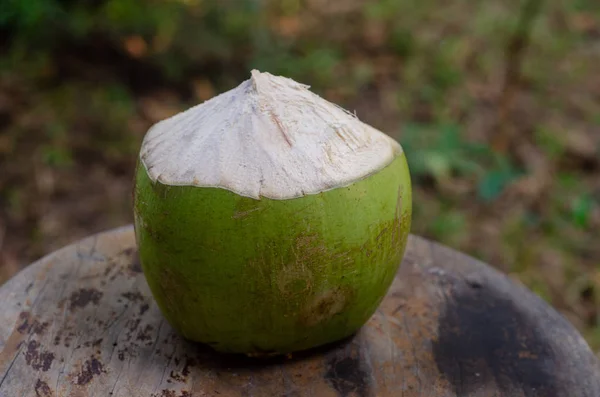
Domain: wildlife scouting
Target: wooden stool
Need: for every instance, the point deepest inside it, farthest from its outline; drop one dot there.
(82, 322)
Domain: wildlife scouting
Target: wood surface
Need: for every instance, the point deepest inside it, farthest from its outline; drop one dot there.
(81, 322)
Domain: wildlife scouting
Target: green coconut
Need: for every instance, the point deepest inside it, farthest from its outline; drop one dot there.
(268, 219)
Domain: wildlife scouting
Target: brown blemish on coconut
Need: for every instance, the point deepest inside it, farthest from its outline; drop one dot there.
(246, 208)
(308, 255)
(311, 249)
(292, 280)
(245, 214)
(390, 235)
(325, 305)
(172, 285)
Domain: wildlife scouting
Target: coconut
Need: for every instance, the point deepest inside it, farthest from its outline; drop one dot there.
(268, 219)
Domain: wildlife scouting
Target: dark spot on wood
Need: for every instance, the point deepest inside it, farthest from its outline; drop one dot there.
(135, 267)
(38, 328)
(90, 368)
(82, 297)
(121, 354)
(128, 251)
(484, 338)
(189, 363)
(69, 338)
(42, 389)
(398, 308)
(145, 334)
(95, 343)
(28, 288)
(144, 308)
(176, 376)
(346, 374)
(132, 326)
(109, 268)
(133, 296)
(38, 360)
(58, 336)
(474, 282)
(24, 326)
(173, 393)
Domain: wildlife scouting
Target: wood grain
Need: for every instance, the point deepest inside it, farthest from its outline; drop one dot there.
(81, 322)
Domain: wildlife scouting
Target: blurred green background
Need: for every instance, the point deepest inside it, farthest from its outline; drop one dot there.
(496, 102)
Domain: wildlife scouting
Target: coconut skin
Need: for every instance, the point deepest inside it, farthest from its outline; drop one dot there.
(271, 275)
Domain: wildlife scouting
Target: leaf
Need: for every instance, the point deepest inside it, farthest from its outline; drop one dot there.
(581, 210)
(448, 226)
(438, 165)
(494, 182)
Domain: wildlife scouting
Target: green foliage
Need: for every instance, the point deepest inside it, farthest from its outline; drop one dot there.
(55, 156)
(401, 41)
(497, 178)
(317, 65)
(581, 209)
(549, 142)
(442, 153)
(449, 226)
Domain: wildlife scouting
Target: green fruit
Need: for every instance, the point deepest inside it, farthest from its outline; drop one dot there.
(269, 220)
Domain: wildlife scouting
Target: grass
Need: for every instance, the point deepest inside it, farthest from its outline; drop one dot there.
(497, 107)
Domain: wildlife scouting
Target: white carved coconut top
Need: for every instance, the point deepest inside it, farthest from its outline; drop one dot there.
(269, 137)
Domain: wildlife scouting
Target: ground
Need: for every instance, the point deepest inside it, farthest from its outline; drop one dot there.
(497, 107)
